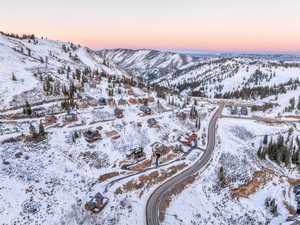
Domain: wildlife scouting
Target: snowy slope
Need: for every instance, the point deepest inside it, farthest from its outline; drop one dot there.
(14, 59)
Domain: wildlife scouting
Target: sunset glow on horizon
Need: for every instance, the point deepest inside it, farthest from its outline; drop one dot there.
(234, 25)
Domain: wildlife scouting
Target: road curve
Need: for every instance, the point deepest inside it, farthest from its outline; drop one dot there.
(153, 203)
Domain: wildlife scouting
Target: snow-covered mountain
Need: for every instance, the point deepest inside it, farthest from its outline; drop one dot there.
(26, 63)
(74, 125)
(245, 76)
(150, 64)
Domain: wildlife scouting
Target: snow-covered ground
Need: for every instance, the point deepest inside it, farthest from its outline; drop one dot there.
(205, 202)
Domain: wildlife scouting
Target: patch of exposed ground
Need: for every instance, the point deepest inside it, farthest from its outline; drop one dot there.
(143, 165)
(107, 176)
(258, 180)
(146, 181)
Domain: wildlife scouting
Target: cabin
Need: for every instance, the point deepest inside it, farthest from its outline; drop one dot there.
(136, 152)
(111, 102)
(119, 113)
(151, 99)
(97, 203)
(77, 85)
(132, 101)
(131, 92)
(92, 136)
(244, 111)
(49, 119)
(192, 137)
(127, 86)
(122, 102)
(234, 110)
(159, 149)
(82, 104)
(181, 115)
(151, 122)
(70, 117)
(145, 109)
(102, 101)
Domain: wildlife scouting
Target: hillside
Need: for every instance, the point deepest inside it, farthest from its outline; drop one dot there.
(30, 62)
(238, 77)
(83, 142)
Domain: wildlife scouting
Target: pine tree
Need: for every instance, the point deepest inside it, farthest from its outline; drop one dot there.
(41, 129)
(27, 108)
(13, 77)
(265, 141)
(32, 131)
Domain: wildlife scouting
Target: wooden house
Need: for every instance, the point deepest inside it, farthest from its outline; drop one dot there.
(119, 113)
(70, 117)
(122, 102)
(132, 101)
(96, 203)
(181, 115)
(136, 152)
(91, 136)
(50, 119)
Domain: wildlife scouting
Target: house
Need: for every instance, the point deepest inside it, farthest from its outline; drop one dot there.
(49, 119)
(159, 149)
(92, 85)
(244, 111)
(234, 110)
(111, 101)
(151, 99)
(181, 115)
(91, 136)
(136, 152)
(111, 133)
(132, 101)
(77, 85)
(127, 86)
(102, 101)
(70, 117)
(152, 122)
(97, 203)
(188, 139)
(130, 92)
(122, 102)
(82, 104)
(192, 137)
(119, 113)
(145, 109)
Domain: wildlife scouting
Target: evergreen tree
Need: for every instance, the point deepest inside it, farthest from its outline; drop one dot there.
(41, 129)
(13, 77)
(32, 131)
(27, 108)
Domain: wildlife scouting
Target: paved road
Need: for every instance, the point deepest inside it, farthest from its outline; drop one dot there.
(153, 203)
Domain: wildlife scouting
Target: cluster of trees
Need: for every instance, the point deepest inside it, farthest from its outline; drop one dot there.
(34, 133)
(193, 113)
(67, 49)
(292, 104)
(23, 36)
(271, 205)
(27, 109)
(264, 107)
(258, 76)
(281, 150)
(261, 92)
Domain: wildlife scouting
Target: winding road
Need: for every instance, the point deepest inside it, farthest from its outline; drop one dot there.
(153, 203)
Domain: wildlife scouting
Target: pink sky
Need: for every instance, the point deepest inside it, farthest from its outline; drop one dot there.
(257, 25)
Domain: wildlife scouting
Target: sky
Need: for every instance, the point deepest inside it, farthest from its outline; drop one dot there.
(227, 25)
